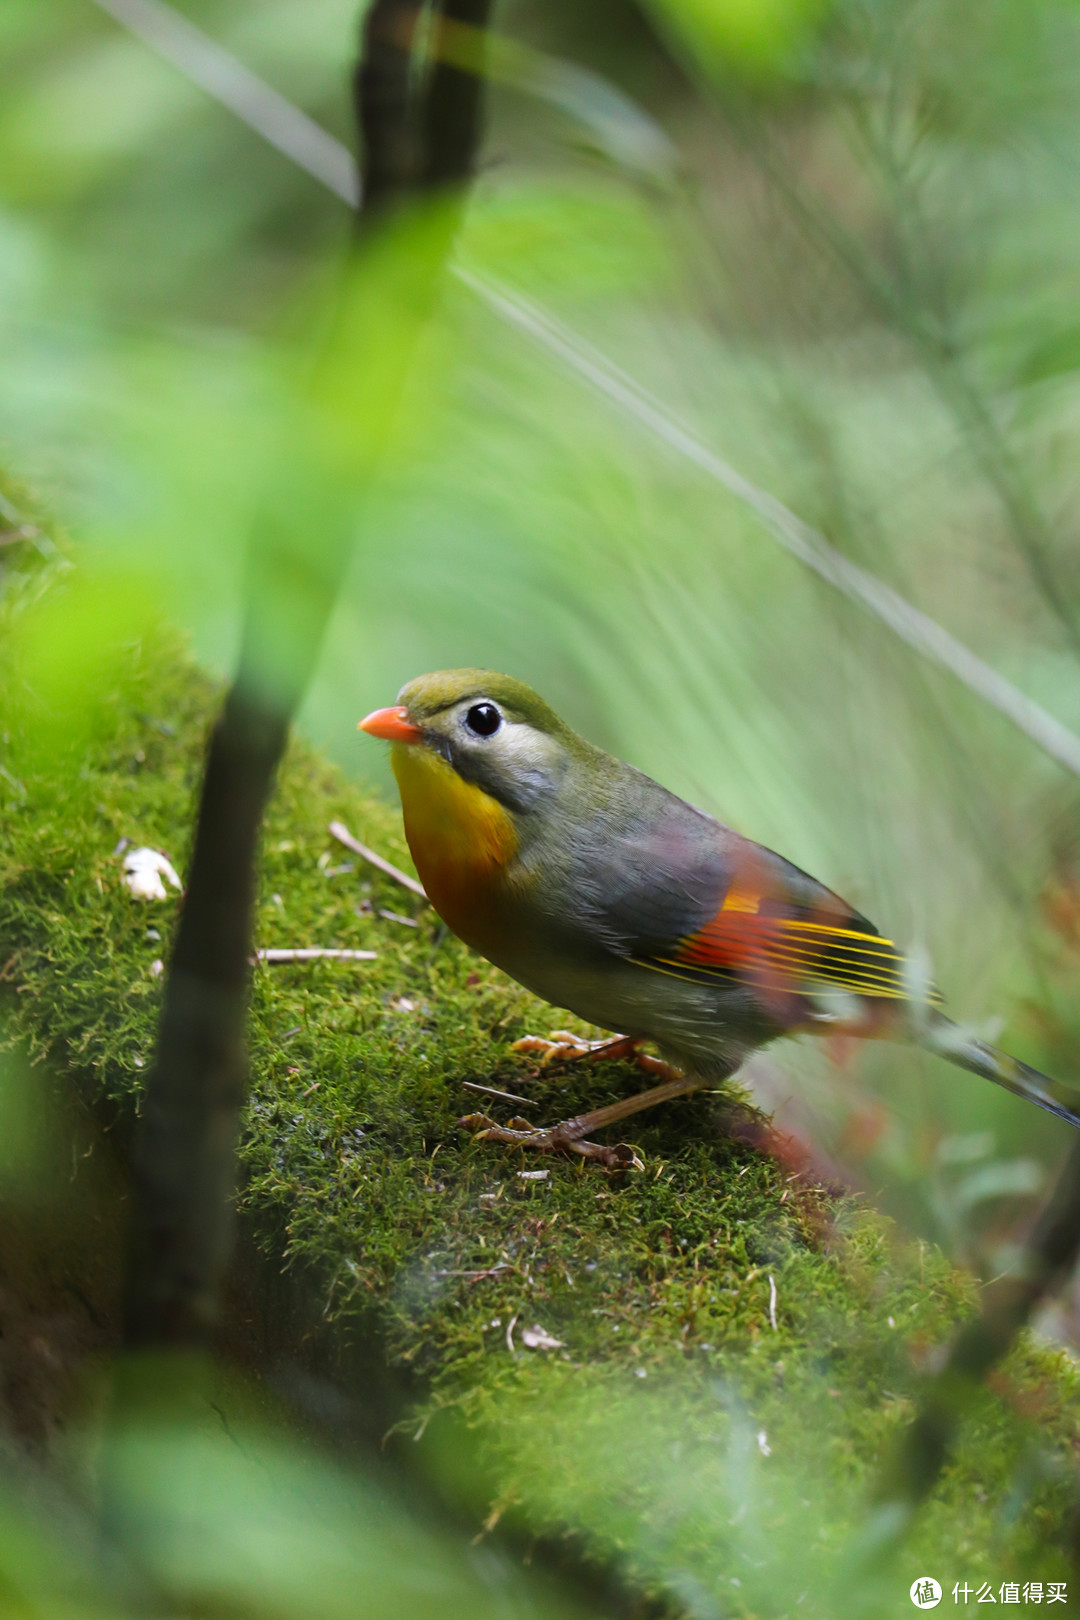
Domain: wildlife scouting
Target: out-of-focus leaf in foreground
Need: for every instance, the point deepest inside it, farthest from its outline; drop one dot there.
(67, 649)
(224, 1513)
(753, 37)
(212, 1509)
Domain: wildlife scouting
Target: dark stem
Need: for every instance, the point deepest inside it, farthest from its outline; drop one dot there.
(419, 133)
(453, 108)
(185, 1150)
(383, 91)
(184, 1160)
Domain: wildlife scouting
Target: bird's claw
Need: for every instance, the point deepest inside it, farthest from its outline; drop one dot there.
(563, 1046)
(561, 1138)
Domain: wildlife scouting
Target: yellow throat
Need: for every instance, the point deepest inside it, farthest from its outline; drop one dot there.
(459, 836)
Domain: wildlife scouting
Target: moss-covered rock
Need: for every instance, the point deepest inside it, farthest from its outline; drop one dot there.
(690, 1367)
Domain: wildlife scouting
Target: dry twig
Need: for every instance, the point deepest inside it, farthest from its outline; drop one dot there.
(338, 830)
(528, 1102)
(315, 953)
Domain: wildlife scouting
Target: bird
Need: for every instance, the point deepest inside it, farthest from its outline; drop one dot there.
(603, 892)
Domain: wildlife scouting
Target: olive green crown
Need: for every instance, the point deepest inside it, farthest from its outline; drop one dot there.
(428, 695)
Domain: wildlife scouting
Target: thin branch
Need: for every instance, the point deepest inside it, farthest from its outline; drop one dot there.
(338, 830)
(314, 953)
(492, 1091)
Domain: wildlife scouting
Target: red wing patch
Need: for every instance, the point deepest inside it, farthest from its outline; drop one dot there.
(786, 954)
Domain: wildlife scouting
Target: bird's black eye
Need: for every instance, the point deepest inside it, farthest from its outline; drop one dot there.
(484, 719)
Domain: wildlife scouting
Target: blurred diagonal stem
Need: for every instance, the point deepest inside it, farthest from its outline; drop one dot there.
(421, 132)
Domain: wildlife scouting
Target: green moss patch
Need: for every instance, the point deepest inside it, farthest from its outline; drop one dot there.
(696, 1368)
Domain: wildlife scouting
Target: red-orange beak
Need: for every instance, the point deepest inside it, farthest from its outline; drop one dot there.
(392, 724)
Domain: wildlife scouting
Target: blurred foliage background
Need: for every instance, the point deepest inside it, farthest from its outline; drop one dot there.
(839, 239)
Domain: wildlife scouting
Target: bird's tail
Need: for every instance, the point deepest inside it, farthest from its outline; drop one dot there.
(949, 1041)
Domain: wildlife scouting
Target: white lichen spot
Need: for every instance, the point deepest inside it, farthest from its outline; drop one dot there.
(143, 872)
(536, 1338)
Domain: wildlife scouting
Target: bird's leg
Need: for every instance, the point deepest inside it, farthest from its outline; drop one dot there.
(563, 1046)
(570, 1134)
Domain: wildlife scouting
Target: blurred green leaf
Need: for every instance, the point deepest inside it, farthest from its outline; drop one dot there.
(66, 653)
(589, 241)
(221, 1511)
(754, 37)
(1004, 1178)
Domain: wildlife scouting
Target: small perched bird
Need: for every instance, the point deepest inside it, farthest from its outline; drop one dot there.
(602, 892)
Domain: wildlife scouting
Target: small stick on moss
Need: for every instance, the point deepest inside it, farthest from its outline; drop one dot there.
(338, 830)
(315, 953)
(470, 1085)
(477, 1276)
(395, 916)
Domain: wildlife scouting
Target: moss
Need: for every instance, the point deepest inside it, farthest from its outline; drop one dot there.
(682, 1424)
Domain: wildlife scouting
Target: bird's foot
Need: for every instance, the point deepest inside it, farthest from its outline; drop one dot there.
(563, 1046)
(567, 1137)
